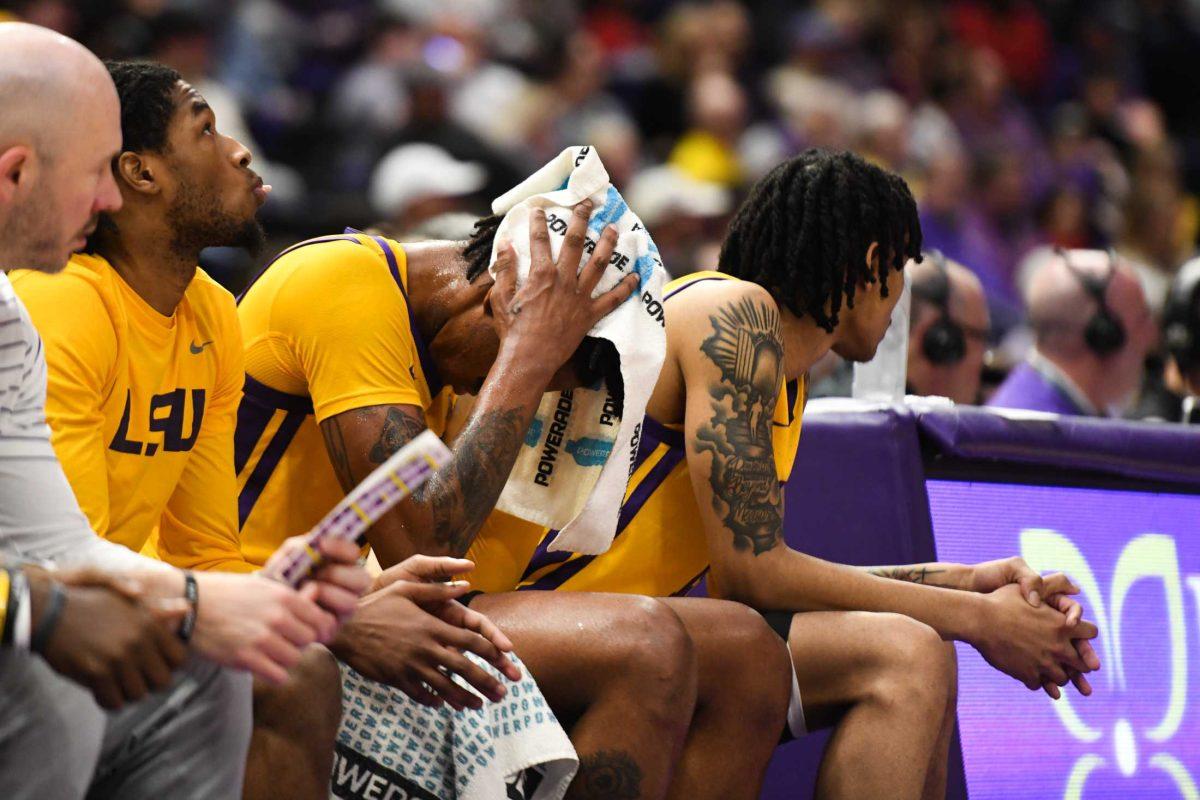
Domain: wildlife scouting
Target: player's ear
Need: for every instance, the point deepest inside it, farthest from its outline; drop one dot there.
(13, 162)
(137, 173)
(872, 252)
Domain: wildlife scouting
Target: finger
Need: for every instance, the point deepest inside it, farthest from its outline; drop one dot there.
(417, 691)
(1084, 630)
(571, 252)
(478, 622)
(168, 611)
(156, 671)
(504, 269)
(313, 620)
(440, 568)
(337, 601)
(350, 577)
(599, 261)
(132, 684)
(1081, 684)
(125, 586)
(1058, 584)
(431, 593)
(455, 696)
(1052, 690)
(1030, 583)
(1087, 653)
(339, 551)
(261, 666)
(169, 646)
(1054, 673)
(539, 242)
(280, 651)
(104, 689)
(608, 302)
(473, 674)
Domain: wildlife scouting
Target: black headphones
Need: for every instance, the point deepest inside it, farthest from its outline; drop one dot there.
(944, 342)
(1104, 334)
(1181, 317)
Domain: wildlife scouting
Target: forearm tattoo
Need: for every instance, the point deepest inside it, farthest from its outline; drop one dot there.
(746, 347)
(607, 774)
(460, 496)
(915, 574)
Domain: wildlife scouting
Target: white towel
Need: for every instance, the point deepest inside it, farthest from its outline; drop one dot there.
(572, 473)
(388, 745)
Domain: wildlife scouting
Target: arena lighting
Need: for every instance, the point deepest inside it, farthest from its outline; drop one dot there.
(1136, 557)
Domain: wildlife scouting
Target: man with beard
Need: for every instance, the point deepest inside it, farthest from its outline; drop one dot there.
(144, 381)
(107, 620)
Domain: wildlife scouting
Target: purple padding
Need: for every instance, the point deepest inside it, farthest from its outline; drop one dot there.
(856, 496)
(1139, 450)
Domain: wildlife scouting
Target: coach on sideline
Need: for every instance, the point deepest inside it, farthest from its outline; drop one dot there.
(119, 626)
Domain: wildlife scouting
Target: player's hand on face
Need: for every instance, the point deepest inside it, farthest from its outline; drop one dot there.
(393, 639)
(1037, 646)
(337, 583)
(107, 639)
(551, 312)
(250, 622)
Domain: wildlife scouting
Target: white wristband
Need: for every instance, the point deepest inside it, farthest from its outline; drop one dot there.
(23, 624)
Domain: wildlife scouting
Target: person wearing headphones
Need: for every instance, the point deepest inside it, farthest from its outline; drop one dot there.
(948, 330)
(1181, 334)
(1092, 329)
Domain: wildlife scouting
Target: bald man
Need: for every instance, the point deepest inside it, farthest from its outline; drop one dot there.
(1092, 330)
(119, 629)
(948, 330)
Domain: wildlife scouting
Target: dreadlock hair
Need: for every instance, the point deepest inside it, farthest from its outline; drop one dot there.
(146, 91)
(804, 231)
(478, 250)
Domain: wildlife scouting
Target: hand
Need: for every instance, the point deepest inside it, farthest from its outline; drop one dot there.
(250, 622)
(393, 639)
(107, 639)
(1033, 645)
(1055, 590)
(337, 583)
(548, 316)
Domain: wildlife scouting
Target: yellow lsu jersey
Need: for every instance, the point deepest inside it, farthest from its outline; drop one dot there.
(660, 547)
(327, 329)
(141, 408)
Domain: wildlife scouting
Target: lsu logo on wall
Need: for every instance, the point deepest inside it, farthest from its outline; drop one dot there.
(1118, 743)
(1136, 558)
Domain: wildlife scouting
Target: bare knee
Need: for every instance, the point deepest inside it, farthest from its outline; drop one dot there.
(739, 648)
(913, 665)
(309, 704)
(655, 658)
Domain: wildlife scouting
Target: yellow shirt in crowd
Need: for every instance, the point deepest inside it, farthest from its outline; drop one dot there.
(142, 408)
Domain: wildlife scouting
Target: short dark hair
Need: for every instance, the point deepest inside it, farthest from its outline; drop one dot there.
(478, 250)
(804, 231)
(146, 91)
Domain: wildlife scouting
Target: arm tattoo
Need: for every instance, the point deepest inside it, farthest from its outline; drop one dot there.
(910, 574)
(746, 347)
(460, 496)
(608, 774)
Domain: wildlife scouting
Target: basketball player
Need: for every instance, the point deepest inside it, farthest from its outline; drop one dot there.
(811, 263)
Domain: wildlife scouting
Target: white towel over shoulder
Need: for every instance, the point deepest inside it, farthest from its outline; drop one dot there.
(572, 472)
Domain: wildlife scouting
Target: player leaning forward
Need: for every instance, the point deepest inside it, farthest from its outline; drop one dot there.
(812, 262)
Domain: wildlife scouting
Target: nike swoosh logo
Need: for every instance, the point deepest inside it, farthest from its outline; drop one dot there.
(197, 349)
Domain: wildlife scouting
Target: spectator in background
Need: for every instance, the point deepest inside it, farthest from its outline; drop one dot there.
(1092, 331)
(1181, 335)
(708, 151)
(948, 330)
(416, 182)
(682, 214)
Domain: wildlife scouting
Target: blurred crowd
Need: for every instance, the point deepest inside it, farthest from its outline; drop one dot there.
(1019, 125)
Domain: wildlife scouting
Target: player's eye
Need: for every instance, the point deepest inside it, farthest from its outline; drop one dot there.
(208, 127)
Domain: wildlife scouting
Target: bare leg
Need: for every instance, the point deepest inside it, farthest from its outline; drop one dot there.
(618, 671)
(883, 679)
(295, 725)
(744, 683)
(935, 780)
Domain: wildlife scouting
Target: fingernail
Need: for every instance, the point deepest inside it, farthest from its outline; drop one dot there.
(1034, 599)
(457, 584)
